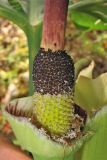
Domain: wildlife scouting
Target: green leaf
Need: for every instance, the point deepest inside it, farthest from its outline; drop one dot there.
(89, 14)
(84, 3)
(87, 72)
(87, 20)
(16, 17)
(81, 64)
(16, 5)
(24, 4)
(4, 2)
(96, 147)
(91, 94)
(35, 11)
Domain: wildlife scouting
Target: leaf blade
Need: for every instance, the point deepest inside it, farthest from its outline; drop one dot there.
(91, 94)
(91, 14)
(16, 6)
(96, 147)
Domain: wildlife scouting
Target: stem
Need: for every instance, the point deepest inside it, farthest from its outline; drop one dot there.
(34, 39)
(31, 47)
(54, 24)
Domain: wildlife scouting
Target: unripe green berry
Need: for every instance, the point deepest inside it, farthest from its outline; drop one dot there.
(54, 112)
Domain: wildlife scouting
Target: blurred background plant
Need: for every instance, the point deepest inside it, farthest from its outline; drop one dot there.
(13, 61)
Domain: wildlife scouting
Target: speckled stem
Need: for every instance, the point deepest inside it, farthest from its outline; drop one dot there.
(55, 14)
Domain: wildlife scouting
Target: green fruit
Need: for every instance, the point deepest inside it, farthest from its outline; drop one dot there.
(54, 112)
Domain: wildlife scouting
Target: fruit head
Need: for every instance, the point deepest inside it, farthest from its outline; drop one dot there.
(53, 78)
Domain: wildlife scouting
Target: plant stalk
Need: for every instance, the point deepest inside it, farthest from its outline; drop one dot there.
(34, 39)
(54, 24)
